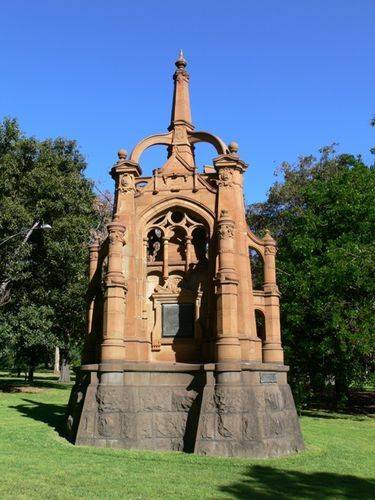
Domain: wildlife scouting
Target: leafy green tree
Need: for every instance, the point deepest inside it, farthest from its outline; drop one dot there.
(323, 217)
(45, 276)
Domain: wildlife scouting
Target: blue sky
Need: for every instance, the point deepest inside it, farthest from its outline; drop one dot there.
(281, 77)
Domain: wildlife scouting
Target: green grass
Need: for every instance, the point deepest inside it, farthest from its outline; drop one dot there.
(37, 462)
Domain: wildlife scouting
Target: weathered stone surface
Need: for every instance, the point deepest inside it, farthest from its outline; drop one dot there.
(88, 422)
(228, 399)
(230, 425)
(110, 398)
(258, 420)
(129, 425)
(251, 430)
(170, 424)
(275, 424)
(154, 399)
(144, 425)
(108, 424)
(207, 426)
(273, 398)
(182, 400)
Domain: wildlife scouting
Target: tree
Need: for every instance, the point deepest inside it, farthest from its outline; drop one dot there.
(43, 181)
(323, 217)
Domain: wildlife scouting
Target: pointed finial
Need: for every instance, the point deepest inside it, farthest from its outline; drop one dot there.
(181, 61)
(267, 238)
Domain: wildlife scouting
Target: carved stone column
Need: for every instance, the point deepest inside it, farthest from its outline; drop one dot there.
(230, 169)
(112, 348)
(165, 241)
(89, 349)
(227, 344)
(272, 349)
(125, 173)
(188, 240)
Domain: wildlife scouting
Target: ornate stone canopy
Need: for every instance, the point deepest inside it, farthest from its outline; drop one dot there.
(182, 352)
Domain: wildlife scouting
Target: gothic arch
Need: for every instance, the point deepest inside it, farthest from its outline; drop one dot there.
(177, 202)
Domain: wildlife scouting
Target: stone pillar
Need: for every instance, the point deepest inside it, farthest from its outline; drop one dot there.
(272, 349)
(93, 264)
(228, 349)
(125, 173)
(165, 259)
(230, 170)
(89, 351)
(188, 252)
(113, 347)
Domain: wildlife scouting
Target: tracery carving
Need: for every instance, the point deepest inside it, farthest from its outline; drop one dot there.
(177, 264)
(186, 238)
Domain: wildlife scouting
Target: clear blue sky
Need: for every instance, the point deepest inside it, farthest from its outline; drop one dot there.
(281, 77)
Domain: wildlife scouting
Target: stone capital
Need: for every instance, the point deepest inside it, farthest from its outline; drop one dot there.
(229, 161)
(116, 232)
(125, 166)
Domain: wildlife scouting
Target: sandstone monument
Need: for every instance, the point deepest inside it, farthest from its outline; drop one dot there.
(172, 359)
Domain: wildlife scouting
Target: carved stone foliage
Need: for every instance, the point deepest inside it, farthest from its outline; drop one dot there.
(116, 236)
(270, 250)
(225, 178)
(126, 183)
(225, 231)
(172, 285)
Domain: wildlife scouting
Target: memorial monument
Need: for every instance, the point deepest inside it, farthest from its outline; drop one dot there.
(172, 358)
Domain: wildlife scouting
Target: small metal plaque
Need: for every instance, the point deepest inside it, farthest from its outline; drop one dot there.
(178, 320)
(268, 378)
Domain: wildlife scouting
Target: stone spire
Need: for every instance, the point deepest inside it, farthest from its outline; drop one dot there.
(181, 135)
(181, 113)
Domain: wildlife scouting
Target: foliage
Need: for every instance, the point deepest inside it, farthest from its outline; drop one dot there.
(38, 463)
(323, 217)
(43, 181)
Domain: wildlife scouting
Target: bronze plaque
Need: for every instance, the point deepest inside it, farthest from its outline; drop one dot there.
(178, 320)
(268, 378)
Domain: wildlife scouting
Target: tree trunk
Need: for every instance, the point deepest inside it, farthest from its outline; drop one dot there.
(64, 369)
(56, 368)
(30, 374)
(341, 390)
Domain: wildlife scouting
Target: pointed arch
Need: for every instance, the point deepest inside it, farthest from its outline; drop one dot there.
(178, 202)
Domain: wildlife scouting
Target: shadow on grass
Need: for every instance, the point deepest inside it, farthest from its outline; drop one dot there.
(16, 385)
(51, 414)
(266, 482)
(334, 415)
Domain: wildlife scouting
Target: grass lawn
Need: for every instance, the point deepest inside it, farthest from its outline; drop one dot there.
(37, 462)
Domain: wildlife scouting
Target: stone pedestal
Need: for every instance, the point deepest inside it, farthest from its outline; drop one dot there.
(183, 407)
